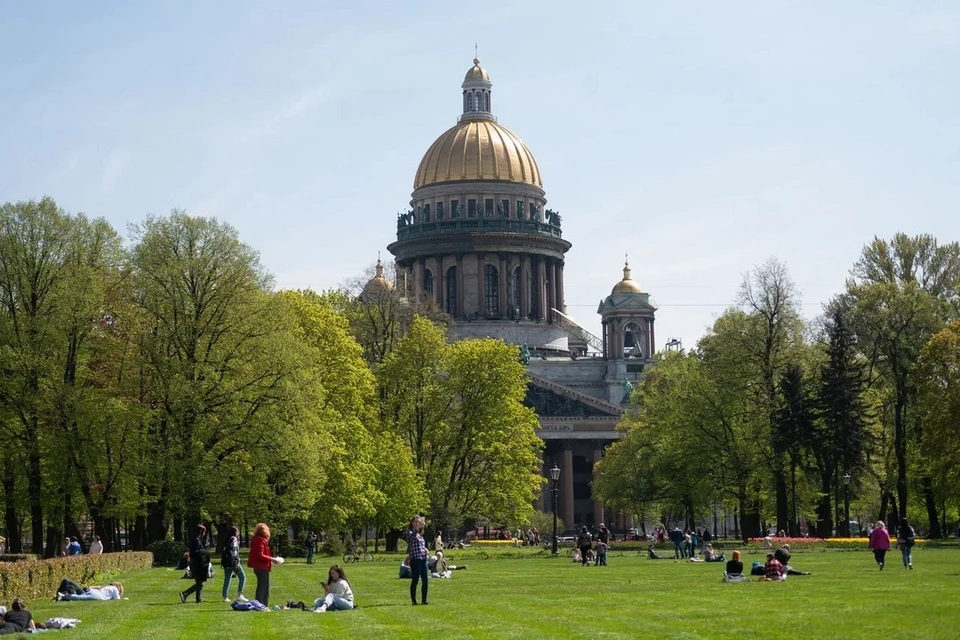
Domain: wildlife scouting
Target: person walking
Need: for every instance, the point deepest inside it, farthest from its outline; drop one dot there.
(261, 561)
(583, 543)
(906, 538)
(879, 542)
(199, 564)
(96, 547)
(230, 561)
(417, 550)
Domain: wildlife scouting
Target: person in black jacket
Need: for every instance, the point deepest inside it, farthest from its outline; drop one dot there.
(783, 557)
(18, 619)
(199, 563)
(676, 537)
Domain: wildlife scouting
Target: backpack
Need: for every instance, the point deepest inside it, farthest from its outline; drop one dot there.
(227, 559)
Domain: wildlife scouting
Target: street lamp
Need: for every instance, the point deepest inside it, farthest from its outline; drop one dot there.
(846, 500)
(555, 475)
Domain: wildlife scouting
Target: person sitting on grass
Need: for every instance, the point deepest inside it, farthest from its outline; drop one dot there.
(72, 591)
(18, 619)
(709, 555)
(405, 570)
(734, 572)
(653, 555)
(783, 557)
(439, 567)
(577, 558)
(773, 570)
(338, 594)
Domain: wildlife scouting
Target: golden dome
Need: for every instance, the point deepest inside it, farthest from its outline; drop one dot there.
(477, 72)
(378, 283)
(477, 150)
(626, 285)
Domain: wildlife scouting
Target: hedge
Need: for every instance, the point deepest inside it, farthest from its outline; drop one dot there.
(33, 579)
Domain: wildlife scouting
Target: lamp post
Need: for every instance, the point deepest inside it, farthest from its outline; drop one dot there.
(846, 501)
(555, 475)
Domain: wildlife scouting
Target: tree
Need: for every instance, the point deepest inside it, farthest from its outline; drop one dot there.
(218, 360)
(35, 246)
(770, 299)
(459, 410)
(794, 420)
(938, 403)
(900, 294)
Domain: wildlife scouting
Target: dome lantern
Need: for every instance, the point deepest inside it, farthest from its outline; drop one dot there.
(476, 93)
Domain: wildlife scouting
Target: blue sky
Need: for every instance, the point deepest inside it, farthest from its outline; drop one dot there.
(699, 137)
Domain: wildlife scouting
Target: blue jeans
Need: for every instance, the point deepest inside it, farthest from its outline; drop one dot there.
(678, 550)
(333, 603)
(241, 577)
(420, 572)
(907, 555)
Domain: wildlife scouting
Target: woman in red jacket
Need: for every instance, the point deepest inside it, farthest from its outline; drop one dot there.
(879, 543)
(260, 561)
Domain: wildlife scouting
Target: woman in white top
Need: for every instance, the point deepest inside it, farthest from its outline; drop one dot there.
(96, 546)
(338, 592)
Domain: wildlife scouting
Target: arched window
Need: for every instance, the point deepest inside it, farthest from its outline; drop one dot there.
(486, 97)
(466, 101)
(428, 283)
(634, 341)
(515, 294)
(451, 301)
(491, 291)
(476, 102)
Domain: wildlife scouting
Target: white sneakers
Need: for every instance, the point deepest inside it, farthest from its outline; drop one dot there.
(242, 598)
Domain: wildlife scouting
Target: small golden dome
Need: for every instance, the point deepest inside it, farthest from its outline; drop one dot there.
(477, 72)
(378, 283)
(477, 150)
(626, 285)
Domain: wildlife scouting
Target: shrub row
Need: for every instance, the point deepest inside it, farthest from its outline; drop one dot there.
(33, 579)
(166, 553)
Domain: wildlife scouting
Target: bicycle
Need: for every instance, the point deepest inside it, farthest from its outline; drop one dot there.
(355, 554)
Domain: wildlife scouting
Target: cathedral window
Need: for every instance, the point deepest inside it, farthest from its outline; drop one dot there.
(428, 282)
(491, 291)
(454, 208)
(426, 213)
(439, 211)
(486, 97)
(505, 208)
(471, 208)
(451, 301)
(515, 293)
(488, 207)
(476, 102)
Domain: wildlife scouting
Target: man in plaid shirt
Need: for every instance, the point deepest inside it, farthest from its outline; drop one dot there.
(417, 549)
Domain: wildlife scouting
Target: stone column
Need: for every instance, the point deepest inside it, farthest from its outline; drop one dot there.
(418, 273)
(603, 334)
(551, 289)
(480, 309)
(542, 313)
(652, 340)
(561, 303)
(524, 293)
(597, 505)
(439, 281)
(566, 486)
(459, 305)
(502, 298)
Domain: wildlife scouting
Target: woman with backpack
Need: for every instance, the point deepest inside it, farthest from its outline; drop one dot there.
(199, 564)
(230, 561)
(906, 537)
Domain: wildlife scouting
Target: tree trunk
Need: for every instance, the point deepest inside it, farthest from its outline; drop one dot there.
(391, 540)
(900, 447)
(178, 528)
(14, 536)
(156, 520)
(54, 542)
(35, 487)
(824, 510)
(783, 502)
(931, 503)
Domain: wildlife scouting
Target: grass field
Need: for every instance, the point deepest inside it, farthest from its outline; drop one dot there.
(514, 594)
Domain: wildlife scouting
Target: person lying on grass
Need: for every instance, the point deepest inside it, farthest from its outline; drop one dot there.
(653, 555)
(339, 595)
(70, 590)
(709, 555)
(783, 557)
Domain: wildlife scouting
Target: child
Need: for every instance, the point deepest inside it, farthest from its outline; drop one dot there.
(339, 595)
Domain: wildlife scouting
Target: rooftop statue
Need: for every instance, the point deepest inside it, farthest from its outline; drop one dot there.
(524, 355)
(627, 389)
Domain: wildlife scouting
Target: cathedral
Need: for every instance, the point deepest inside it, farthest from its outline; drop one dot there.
(479, 240)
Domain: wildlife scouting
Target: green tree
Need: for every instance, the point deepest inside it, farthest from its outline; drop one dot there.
(900, 294)
(459, 410)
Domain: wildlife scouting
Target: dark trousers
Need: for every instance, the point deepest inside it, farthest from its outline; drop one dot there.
(584, 553)
(879, 554)
(197, 588)
(420, 572)
(69, 586)
(310, 554)
(263, 586)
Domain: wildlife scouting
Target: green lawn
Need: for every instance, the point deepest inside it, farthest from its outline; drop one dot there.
(530, 595)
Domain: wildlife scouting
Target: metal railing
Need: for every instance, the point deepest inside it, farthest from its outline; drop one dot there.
(567, 324)
(468, 225)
